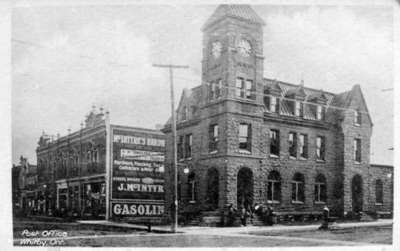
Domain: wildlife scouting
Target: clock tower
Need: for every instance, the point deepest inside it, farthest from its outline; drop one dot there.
(232, 66)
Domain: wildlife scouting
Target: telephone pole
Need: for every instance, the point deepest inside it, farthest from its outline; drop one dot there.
(171, 79)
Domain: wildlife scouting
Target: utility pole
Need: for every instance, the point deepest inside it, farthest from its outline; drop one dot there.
(171, 79)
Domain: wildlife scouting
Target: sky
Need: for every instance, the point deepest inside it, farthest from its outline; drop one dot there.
(67, 58)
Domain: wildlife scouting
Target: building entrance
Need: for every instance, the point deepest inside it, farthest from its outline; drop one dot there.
(244, 188)
(357, 193)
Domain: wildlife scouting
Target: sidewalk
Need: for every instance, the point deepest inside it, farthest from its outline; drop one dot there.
(235, 230)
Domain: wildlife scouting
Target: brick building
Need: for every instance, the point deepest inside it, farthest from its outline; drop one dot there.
(246, 139)
(72, 170)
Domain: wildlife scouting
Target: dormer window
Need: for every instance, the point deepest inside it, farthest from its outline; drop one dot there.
(271, 103)
(357, 118)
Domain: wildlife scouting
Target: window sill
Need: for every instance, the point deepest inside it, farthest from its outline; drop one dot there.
(357, 163)
(319, 202)
(244, 151)
(358, 125)
(213, 152)
(273, 202)
(320, 160)
(302, 158)
(181, 160)
(189, 158)
(297, 202)
(192, 202)
(273, 156)
(292, 158)
(378, 204)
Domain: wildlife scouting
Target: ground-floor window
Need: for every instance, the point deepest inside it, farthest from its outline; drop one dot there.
(298, 188)
(379, 192)
(320, 188)
(274, 187)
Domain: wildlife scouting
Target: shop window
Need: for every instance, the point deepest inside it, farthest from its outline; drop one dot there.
(320, 189)
(274, 187)
(298, 188)
(274, 142)
(379, 192)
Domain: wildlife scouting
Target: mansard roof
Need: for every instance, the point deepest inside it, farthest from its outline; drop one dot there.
(239, 11)
(288, 89)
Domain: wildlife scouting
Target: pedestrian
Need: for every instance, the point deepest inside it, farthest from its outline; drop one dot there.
(231, 215)
(243, 216)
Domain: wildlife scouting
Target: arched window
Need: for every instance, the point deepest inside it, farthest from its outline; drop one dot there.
(274, 187)
(192, 187)
(320, 188)
(298, 188)
(379, 192)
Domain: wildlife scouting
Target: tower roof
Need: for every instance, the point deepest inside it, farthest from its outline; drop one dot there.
(240, 11)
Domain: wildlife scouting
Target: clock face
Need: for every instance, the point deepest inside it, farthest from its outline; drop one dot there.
(244, 47)
(216, 48)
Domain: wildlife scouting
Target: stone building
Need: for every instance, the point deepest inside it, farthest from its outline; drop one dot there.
(245, 139)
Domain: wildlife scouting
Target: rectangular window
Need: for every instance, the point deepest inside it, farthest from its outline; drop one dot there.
(218, 88)
(298, 111)
(249, 89)
(270, 103)
(213, 138)
(303, 145)
(273, 191)
(320, 192)
(274, 142)
(212, 90)
(320, 148)
(188, 146)
(245, 137)
(320, 113)
(357, 150)
(292, 144)
(240, 87)
(180, 147)
(357, 118)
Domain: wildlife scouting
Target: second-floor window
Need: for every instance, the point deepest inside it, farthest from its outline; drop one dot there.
(292, 144)
(303, 146)
(218, 88)
(188, 146)
(245, 137)
(274, 142)
(213, 138)
(180, 147)
(357, 150)
(357, 117)
(184, 113)
(320, 148)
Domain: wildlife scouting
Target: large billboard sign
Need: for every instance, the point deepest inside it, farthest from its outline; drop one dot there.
(137, 173)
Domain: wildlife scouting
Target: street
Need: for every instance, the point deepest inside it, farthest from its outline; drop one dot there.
(29, 233)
